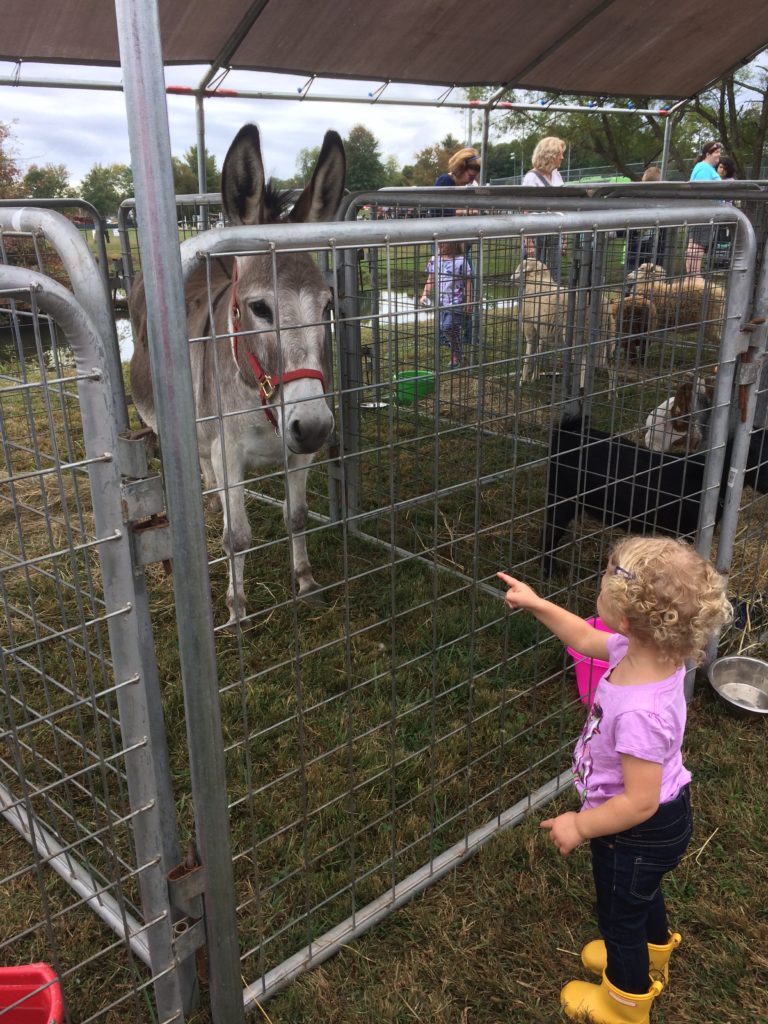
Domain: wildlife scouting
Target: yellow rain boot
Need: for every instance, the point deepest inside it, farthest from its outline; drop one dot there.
(606, 1004)
(594, 958)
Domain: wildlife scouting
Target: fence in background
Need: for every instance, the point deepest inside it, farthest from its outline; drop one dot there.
(371, 744)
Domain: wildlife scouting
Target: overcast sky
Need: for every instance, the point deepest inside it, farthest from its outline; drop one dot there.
(81, 128)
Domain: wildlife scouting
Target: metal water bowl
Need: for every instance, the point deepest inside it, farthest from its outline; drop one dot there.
(742, 683)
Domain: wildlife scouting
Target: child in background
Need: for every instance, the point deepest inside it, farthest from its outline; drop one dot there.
(454, 295)
(665, 603)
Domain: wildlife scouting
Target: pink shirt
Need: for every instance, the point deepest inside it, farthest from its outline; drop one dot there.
(646, 720)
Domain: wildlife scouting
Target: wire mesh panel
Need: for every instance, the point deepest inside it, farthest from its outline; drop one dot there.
(747, 556)
(84, 852)
(372, 734)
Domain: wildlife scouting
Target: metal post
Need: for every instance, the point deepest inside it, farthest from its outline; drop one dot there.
(202, 183)
(484, 147)
(141, 59)
(665, 148)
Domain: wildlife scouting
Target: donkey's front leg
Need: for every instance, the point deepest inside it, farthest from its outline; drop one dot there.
(295, 514)
(236, 535)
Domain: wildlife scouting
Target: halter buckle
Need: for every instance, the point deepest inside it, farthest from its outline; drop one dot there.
(267, 388)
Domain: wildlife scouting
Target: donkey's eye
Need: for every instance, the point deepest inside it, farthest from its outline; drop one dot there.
(261, 309)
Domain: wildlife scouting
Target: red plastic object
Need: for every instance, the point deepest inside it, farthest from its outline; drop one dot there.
(19, 983)
(589, 670)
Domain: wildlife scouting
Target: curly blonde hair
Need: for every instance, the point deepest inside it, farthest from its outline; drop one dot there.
(670, 596)
(547, 152)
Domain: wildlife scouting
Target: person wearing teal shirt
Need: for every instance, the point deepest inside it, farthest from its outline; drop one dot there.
(700, 236)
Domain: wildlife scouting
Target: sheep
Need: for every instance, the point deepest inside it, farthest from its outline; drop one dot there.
(680, 303)
(633, 316)
(544, 309)
(623, 484)
(543, 305)
(673, 425)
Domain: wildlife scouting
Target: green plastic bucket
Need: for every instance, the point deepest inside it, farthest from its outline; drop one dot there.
(413, 384)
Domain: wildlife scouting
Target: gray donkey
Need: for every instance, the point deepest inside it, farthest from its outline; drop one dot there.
(260, 388)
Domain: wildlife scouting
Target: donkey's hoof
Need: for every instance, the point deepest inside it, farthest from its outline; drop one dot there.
(242, 625)
(315, 598)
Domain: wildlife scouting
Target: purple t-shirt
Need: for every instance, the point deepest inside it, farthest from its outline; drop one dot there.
(645, 721)
(452, 275)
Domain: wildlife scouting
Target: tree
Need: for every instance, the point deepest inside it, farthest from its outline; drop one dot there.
(107, 187)
(185, 180)
(305, 164)
(735, 110)
(365, 170)
(626, 142)
(393, 176)
(10, 175)
(50, 181)
(430, 162)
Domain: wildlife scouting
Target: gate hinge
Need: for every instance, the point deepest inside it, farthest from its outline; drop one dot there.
(188, 937)
(749, 372)
(141, 498)
(186, 885)
(152, 542)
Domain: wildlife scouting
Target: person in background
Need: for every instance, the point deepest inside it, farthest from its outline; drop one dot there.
(648, 245)
(666, 603)
(700, 236)
(726, 168)
(721, 253)
(449, 278)
(545, 173)
(463, 169)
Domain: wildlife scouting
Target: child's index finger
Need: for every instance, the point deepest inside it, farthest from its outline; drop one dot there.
(509, 580)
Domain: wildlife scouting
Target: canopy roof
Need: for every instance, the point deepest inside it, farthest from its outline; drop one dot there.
(661, 48)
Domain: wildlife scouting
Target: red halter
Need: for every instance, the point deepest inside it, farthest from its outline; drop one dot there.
(268, 385)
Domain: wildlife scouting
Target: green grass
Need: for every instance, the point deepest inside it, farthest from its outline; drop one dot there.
(499, 937)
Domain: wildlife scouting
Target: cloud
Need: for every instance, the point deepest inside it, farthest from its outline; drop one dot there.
(80, 128)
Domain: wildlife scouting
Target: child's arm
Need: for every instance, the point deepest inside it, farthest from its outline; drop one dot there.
(640, 800)
(427, 290)
(467, 284)
(564, 624)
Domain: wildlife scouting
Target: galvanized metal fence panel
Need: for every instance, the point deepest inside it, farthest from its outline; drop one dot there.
(85, 779)
(371, 744)
(374, 743)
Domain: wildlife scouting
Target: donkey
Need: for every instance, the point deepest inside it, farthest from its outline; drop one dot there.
(261, 395)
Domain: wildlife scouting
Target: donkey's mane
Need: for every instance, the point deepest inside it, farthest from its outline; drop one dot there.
(276, 202)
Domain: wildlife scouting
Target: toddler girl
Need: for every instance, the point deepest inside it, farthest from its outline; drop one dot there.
(454, 295)
(665, 603)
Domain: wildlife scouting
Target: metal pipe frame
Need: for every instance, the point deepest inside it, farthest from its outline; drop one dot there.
(401, 893)
(83, 272)
(141, 57)
(126, 610)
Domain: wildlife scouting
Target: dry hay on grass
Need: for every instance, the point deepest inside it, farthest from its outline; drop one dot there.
(468, 397)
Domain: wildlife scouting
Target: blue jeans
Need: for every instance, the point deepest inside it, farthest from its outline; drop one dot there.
(628, 868)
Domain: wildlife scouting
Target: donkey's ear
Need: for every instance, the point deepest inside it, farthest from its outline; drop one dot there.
(320, 199)
(242, 178)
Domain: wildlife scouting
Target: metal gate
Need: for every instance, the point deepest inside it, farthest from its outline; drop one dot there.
(83, 758)
(371, 745)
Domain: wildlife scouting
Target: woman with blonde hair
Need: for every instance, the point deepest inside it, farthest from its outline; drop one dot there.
(463, 168)
(546, 160)
(545, 172)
